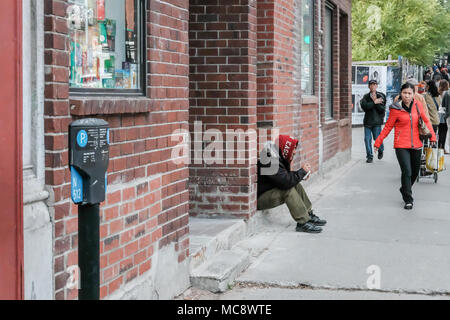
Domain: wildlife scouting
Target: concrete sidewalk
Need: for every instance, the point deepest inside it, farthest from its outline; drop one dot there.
(369, 240)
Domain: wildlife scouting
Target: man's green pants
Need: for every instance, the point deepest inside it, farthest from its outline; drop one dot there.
(295, 198)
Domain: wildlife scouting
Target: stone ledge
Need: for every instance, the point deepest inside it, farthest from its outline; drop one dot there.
(310, 100)
(83, 106)
(344, 122)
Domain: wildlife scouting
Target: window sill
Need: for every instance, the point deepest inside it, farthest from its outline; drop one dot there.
(330, 123)
(344, 122)
(310, 100)
(88, 105)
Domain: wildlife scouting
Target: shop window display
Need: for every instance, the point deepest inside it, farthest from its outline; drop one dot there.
(105, 44)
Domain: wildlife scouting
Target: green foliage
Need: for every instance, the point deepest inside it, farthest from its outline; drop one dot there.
(414, 29)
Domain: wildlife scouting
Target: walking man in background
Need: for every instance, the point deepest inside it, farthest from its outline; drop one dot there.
(374, 106)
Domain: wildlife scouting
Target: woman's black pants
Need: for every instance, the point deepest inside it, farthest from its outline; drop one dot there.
(441, 130)
(409, 161)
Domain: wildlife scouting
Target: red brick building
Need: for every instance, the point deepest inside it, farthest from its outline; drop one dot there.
(246, 72)
(154, 67)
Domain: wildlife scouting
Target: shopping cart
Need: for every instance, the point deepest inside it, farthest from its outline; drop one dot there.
(424, 171)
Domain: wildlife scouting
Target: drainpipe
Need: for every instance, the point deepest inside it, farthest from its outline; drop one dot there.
(320, 85)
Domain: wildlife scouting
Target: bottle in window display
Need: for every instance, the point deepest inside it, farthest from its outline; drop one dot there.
(102, 34)
(130, 44)
(119, 79)
(73, 66)
(111, 34)
(133, 76)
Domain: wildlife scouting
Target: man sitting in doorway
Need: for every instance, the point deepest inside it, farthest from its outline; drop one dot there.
(277, 184)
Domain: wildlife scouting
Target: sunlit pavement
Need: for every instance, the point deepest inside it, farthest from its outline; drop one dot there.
(371, 247)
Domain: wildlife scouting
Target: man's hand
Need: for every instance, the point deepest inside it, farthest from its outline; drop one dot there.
(375, 149)
(378, 101)
(306, 167)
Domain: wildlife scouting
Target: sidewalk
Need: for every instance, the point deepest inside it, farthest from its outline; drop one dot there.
(368, 229)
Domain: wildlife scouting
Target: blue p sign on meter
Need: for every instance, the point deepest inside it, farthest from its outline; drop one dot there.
(82, 138)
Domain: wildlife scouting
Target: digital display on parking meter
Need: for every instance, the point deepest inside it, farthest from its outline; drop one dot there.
(88, 157)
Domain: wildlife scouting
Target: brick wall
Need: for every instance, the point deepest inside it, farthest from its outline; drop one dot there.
(281, 102)
(220, 44)
(278, 68)
(147, 201)
(345, 78)
(222, 97)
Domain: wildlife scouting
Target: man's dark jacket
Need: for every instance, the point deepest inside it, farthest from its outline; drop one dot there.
(446, 104)
(375, 113)
(283, 179)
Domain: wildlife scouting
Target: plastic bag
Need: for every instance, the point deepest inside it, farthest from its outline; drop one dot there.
(441, 157)
(432, 156)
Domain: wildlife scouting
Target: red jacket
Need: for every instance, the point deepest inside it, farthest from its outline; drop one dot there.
(406, 127)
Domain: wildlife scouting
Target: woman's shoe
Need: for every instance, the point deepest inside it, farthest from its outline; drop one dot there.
(408, 206)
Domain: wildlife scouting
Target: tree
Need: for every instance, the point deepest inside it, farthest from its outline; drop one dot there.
(414, 29)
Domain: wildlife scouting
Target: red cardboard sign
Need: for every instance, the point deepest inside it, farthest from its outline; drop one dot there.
(101, 10)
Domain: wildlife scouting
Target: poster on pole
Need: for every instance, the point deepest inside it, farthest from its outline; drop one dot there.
(361, 75)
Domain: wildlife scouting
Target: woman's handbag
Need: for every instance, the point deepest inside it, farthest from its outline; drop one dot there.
(424, 132)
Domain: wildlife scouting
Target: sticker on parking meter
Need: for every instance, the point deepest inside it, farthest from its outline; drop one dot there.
(107, 136)
(82, 138)
(77, 186)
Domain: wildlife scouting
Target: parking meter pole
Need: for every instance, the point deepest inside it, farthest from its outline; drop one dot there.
(89, 251)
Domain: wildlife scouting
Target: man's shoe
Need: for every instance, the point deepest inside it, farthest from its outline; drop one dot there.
(316, 220)
(380, 155)
(308, 227)
(369, 160)
(408, 206)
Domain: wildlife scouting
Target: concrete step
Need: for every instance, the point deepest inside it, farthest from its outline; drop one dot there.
(219, 272)
(210, 236)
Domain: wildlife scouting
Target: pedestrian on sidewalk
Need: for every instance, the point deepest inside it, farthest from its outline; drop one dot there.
(433, 100)
(404, 117)
(446, 106)
(419, 88)
(444, 74)
(443, 127)
(427, 75)
(374, 106)
(278, 185)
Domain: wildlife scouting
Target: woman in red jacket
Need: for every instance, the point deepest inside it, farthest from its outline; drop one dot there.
(404, 117)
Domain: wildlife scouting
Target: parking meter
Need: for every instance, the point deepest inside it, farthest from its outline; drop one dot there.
(88, 160)
(88, 157)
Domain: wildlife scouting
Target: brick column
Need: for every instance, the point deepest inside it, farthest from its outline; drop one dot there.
(278, 67)
(222, 97)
